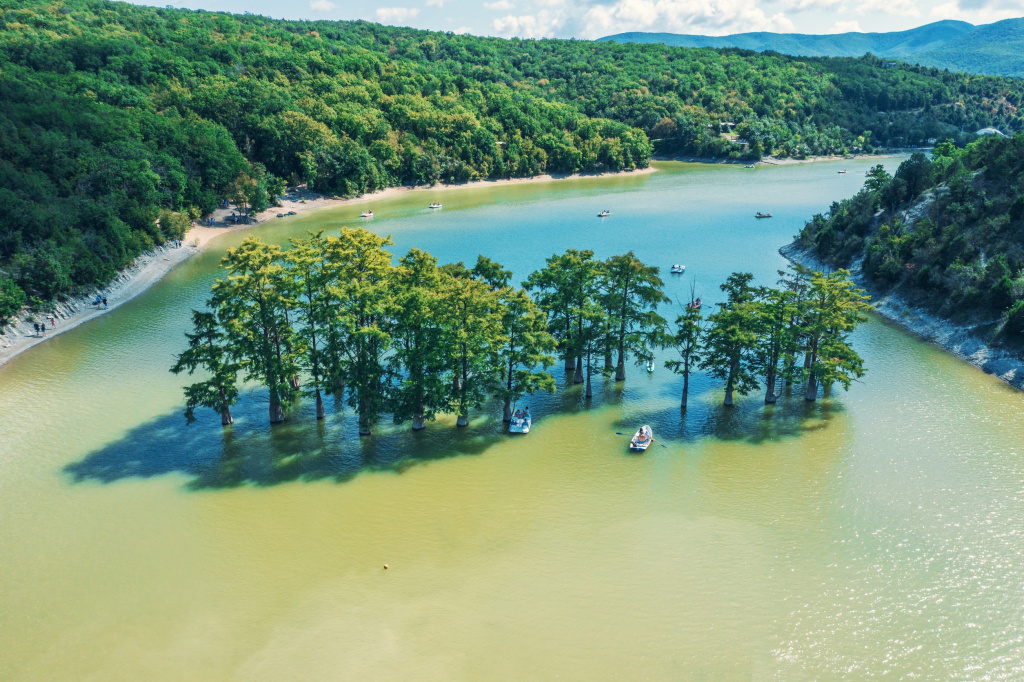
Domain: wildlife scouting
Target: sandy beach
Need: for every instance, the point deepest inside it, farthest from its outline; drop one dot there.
(18, 335)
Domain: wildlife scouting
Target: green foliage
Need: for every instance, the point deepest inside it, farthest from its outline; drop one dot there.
(209, 350)
(951, 231)
(731, 338)
(12, 298)
(112, 112)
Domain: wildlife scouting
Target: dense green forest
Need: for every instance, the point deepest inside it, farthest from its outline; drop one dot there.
(333, 315)
(946, 231)
(120, 122)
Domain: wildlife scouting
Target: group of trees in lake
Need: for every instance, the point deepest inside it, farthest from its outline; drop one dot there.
(120, 123)
(764, 336)
(333, 315)
(946, 230)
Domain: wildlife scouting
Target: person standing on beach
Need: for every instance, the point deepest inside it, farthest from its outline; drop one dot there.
(36, 327)
(53, 322)
(104, 301)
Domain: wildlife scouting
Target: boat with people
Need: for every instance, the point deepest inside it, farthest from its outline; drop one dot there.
(642, 439)
(678, 269)
(604, 214)
(760, 215)
(435, 205)
(650, 366)
(694, 305)
(521, 421)
(366, 214)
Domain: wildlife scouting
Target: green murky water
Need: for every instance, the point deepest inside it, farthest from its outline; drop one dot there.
(877, 532)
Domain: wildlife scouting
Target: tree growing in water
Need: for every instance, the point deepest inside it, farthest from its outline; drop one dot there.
(473, 335)
(633, 292)
(774, 311)
(731, 337)
(688, 342)
(834, 307)
(209, 351)
(418, 340)
(253, 305)
(364, 276)
(528, 348)
(309, 278)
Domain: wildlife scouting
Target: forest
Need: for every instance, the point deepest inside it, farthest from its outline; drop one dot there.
(119, 123)
(945, 231)
(334, 315)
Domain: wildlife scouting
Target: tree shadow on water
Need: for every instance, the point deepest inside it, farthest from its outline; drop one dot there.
(749, 420)
(253, 453)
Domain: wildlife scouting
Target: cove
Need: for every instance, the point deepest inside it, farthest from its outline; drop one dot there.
(877, 531)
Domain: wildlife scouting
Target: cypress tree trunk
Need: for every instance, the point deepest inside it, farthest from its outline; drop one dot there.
(570, 362)
(295, 382)
(590, 390)
(506, 415)
(462, 421)
(225, 416)
(769, 396)
(364, 426)
(320, 413)
(686, 389)
(419, 422)
(276, 411)
(578, 376)
(730, 383)
(620, 369)
(812, 388)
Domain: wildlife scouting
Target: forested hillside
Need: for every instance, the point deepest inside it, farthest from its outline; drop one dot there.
(111, 113)
(947, 232)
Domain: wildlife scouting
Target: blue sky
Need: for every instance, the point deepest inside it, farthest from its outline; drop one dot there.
(596, 18)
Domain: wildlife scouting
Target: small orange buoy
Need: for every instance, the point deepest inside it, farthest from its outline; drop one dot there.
(385, 565)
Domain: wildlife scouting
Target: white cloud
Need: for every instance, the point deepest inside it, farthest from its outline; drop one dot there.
(805, 5)
(396, 15)
(978, 11)
(500, 5)
(709, 17)
(846, 27)
(462, 30)
(436, 3)
(322, 5)
(543, 24)
(903, 8)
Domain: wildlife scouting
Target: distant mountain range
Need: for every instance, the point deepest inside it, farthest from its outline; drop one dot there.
(996, 49)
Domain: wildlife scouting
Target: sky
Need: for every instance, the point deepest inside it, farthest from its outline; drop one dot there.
(590, 19)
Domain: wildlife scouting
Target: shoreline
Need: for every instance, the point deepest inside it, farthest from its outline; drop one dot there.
(773, 161)
(927, 326)
(18, 335)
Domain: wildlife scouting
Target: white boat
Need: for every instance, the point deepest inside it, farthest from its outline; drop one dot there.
(604, 214)
(760, 215)
(521, 422)
(678, 269)
(434, 206)
(650, 367)
(749, 165)
(841, 172)
(642, 439)
(366, 214)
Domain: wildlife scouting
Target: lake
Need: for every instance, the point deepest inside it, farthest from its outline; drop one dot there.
(874, 532)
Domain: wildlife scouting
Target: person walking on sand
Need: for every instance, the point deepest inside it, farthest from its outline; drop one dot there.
(35, 325)
(53, 322)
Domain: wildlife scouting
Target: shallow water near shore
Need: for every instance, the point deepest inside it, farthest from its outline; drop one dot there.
(874, 532)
